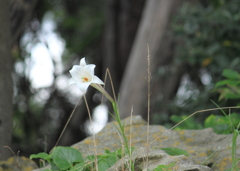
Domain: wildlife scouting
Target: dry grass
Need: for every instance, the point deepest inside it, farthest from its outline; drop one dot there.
(130, 164)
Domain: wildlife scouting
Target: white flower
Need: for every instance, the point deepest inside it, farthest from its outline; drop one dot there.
(83, 76)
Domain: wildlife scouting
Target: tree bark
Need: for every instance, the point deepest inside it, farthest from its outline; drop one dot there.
(6, 85)
(122, 20)
(20, 13)
(152, 31)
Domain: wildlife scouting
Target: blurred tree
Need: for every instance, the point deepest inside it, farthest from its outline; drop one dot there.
(41, 113)
(207, 43)
(14, 15)
(6, 85)
(121, 23)
(21, 12)
(188, 53)
(152, 31)
(114, 34)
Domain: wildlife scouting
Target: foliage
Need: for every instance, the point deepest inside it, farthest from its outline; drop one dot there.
(220, 124)
(106, 160)
(190, 123)
(175, 151)
(61, 158)
(80, 23)
(209, 35)
(164, 167)
(229, 88)
(68, 158)
(64, 158)
(39, 113)
(235, 161)
(210, 42)
(207, 42)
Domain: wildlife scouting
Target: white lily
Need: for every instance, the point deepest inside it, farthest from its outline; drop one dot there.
(83, 76)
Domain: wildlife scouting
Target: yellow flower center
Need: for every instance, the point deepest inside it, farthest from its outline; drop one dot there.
(85, 79)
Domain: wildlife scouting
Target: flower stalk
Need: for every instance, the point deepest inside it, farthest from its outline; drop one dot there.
(83, 76)
(103, 91)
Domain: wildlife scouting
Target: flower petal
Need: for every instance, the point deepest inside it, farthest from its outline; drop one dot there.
(76, 69)
(83, 62)
(78, 72)
(83, 76)
(83, 86)
(90, 68)
(72, 81)
(97, 80)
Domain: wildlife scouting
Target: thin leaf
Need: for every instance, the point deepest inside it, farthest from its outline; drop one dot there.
(79, 167)
(231, 74)
(227, 82)
(175, 151)
(44, 156)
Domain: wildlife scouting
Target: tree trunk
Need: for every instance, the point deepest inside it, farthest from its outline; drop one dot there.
(6, 84)
(122, 20)
(152, 31)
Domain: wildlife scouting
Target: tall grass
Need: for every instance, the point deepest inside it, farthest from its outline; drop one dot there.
(126, 144)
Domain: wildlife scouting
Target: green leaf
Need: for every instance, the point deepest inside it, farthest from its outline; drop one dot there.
(220, 124)
(231, 74)
(159, 168)
(108, 159)
(103, 165)
(175, 151)
(44, 156)
(107, 151)
(79, 167)
(190, 123)
(235, 118)
(65, 157)
(91, 157)
(226, 93)
(232, 96)
(164, 167)
(227, 82)
(54, 167)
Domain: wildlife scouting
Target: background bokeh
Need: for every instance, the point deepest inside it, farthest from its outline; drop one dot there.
(199, 40)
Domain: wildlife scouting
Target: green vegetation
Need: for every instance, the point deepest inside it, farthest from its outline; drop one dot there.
(229, 88)
(207, 43)
(175, 151)
(209, 39)
(70, 159)
(164, 167)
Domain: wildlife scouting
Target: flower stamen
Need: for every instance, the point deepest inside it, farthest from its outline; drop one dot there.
(85, 79)
(83, 76)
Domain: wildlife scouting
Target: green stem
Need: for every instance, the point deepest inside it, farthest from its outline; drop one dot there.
(117, 115)
(103, 91)
(117, 118)
(234, 142)
(121, 126)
